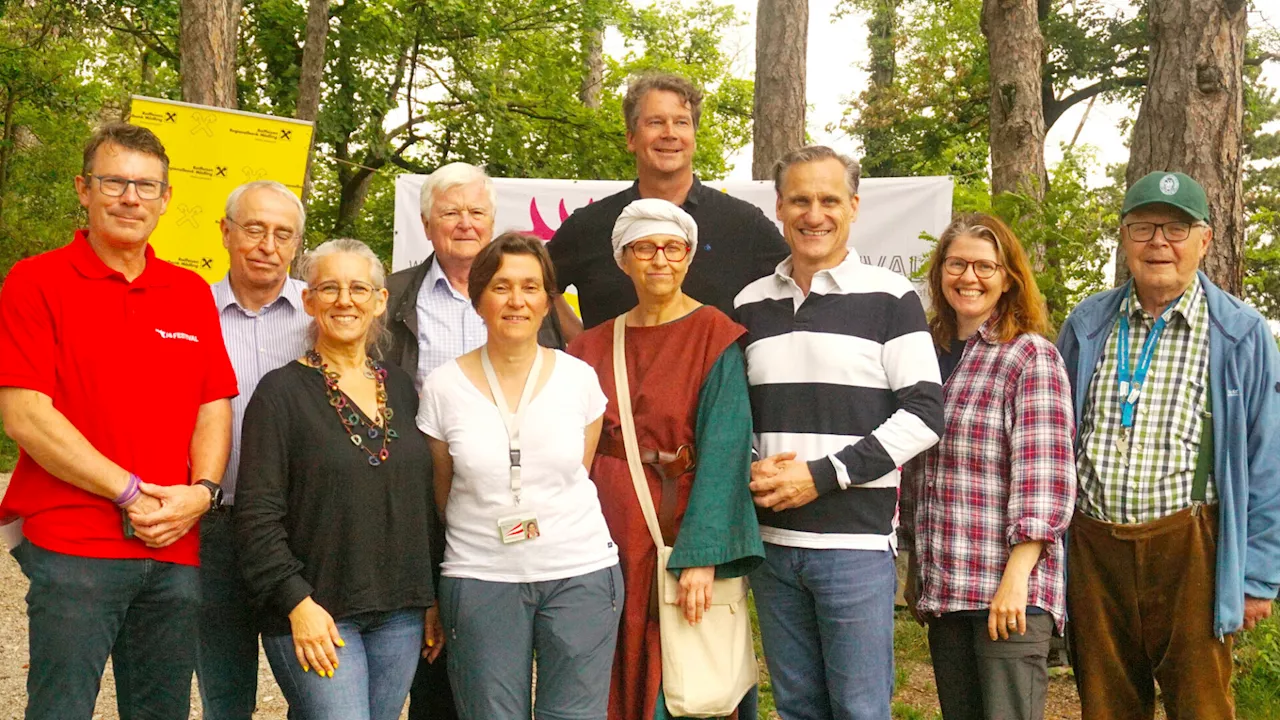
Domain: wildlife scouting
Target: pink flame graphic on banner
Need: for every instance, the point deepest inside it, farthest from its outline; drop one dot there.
(541, 229)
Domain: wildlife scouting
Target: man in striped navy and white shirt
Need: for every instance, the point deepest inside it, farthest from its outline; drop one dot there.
(264, 326)
(844, 389)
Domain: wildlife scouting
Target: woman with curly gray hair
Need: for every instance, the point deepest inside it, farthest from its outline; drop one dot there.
(334, 506)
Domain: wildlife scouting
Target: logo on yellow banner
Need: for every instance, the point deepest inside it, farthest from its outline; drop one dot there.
(211, 152)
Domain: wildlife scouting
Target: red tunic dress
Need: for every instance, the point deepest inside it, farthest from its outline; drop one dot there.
(666, 367)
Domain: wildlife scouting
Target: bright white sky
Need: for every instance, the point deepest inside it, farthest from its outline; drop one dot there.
(838, 52)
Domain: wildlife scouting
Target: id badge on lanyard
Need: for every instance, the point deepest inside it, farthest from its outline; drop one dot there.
(1131, 382)
(517, 523)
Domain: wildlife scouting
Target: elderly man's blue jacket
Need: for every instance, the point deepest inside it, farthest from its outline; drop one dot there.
(1244, 382)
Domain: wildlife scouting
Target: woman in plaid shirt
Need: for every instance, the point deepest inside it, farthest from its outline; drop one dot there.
(985, 510)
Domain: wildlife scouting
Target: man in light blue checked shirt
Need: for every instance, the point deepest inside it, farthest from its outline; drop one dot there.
(264, 326)
(430, 321)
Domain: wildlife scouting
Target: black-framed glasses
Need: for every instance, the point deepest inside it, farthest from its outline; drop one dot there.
(258, 233)
(1174, 231)
(330, 292)
(113, 186)
(984, 269)
(674, 251)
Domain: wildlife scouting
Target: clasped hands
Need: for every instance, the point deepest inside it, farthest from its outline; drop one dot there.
(780, 482)
(162, 514)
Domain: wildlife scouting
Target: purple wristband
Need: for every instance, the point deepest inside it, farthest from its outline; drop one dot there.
(130, 492)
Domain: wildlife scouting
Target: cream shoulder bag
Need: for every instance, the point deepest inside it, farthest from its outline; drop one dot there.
(706, 668)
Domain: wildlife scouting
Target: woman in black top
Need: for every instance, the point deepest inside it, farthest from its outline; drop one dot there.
(334, 507)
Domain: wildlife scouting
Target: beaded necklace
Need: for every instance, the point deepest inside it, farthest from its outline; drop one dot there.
(351, 420)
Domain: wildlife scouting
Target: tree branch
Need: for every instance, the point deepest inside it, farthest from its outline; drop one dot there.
(1056, 108)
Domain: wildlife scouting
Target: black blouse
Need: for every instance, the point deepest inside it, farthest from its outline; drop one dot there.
(313, 517)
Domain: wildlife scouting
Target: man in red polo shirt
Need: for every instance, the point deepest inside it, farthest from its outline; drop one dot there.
(115, 383)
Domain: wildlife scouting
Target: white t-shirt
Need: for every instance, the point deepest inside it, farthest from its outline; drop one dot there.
(574, 538)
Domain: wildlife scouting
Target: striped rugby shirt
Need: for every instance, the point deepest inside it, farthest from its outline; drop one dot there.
(846, 378)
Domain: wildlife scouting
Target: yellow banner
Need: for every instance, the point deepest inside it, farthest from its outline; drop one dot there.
(211, 152)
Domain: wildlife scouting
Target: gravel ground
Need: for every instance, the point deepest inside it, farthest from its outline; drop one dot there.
(13, 656)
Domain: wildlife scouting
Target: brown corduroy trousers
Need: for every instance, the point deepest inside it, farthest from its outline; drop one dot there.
(1140, 599)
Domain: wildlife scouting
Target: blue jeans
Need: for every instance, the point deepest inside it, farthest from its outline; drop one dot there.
(495, 628)
(227, 655)
(376, 665)
(141, 613)
(826, 619)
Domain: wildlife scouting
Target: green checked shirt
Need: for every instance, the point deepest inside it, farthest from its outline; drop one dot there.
(1155, 479)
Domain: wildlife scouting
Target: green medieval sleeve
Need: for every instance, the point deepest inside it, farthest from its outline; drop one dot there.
(719, 526)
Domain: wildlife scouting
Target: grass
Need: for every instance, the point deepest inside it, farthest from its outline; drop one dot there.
(8, 451)
(1257, 678)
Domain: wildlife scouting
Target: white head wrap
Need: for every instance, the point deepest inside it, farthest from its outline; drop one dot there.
(652, 216)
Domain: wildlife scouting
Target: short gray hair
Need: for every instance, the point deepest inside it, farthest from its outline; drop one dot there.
(814, 153)
(451, 176)
(377, 275)
(233, 200)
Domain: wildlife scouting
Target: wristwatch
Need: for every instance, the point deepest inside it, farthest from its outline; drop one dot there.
(215, 493)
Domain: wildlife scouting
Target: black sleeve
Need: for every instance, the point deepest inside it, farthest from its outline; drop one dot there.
(564, 248)
(770, 249)
(271, 571)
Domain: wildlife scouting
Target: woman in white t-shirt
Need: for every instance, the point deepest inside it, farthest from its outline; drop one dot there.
(529, 566)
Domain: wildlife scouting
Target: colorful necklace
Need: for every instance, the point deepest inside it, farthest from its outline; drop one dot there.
(351, 420)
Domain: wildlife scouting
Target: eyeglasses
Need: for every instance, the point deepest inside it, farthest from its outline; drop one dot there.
(113, 186)
(258, 233)
(984, 269)
(675, 251)
(358, 292)
(1174, 232)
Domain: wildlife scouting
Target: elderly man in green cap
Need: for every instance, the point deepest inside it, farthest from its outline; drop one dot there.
(1176, 540)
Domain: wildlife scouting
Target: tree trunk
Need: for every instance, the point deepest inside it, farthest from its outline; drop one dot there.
(209, 29)
(882, 39)
(1191, 119)
(593, 79)
(782, 33)
(1015, 49)
(313, 60)
(310, 79)
(6, 147)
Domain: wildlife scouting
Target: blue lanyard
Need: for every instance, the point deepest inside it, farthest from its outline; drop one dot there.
(1131, 384)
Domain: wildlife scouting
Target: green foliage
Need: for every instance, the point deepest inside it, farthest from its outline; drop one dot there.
(1257, 678)
(8, 451)
(1262, 185)
(1071, 232)
(45, 108)
(932, 119)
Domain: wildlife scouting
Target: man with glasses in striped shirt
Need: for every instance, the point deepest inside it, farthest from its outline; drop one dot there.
(1175, 544)
(264, 326)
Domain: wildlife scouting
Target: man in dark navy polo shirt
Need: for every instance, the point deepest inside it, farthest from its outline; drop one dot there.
(738, 244)
(115, 383)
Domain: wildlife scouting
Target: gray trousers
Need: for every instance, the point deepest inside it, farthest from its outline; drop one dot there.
(494, 629)
(982, 679)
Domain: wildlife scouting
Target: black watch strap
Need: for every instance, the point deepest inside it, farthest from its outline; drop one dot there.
(215, 493)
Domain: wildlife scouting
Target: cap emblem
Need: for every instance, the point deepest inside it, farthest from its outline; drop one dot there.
(1169, 184)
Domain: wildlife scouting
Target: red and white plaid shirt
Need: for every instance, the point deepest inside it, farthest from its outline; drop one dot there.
(1003, 474)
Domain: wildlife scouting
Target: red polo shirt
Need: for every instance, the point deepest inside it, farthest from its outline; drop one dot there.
(129, 364)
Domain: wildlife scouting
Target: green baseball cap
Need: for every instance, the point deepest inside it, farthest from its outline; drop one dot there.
(1170, 188)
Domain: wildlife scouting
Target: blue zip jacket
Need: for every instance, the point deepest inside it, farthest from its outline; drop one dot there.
(1244, 386)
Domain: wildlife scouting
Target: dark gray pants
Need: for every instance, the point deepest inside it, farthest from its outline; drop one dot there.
(493, 630)
(982, 679)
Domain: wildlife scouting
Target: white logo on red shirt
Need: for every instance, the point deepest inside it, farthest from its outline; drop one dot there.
(177, 336)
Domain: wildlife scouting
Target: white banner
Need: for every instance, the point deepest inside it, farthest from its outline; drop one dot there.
(894, 212)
